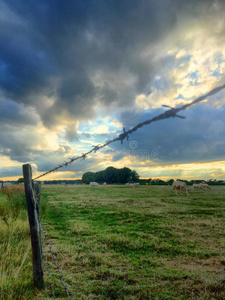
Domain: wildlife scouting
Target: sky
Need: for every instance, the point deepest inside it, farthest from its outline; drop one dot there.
(74, 73)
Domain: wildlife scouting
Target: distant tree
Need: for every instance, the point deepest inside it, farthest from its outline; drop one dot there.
(124, 175)
(20, 180)
(88, 177)
(100, 176)
(134, 176)
(170, 181)
(111, 175)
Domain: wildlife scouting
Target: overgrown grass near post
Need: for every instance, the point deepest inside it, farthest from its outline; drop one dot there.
(16, 280)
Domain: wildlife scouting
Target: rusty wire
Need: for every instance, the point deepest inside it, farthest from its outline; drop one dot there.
(170, 113)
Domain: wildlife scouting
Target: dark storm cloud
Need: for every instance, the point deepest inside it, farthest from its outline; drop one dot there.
(71, 134)
(12, 171)
(17, 144)
(15, 114)
(54, 48)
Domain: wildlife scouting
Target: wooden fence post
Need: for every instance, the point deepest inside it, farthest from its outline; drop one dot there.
(37, 190)
(33, 211)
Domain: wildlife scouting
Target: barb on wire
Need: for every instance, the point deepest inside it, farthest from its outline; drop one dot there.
(96, 148)
(181, 117)
(84, 156)
(123, 135)
(170, 113)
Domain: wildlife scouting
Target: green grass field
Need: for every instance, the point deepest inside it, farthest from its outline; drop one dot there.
(118, 242)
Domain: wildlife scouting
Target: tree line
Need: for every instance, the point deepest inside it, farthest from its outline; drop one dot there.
(111, 175)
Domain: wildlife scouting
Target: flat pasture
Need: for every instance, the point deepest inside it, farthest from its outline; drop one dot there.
(117, 242)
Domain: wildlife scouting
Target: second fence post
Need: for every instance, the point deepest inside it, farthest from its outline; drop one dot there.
(34, 228)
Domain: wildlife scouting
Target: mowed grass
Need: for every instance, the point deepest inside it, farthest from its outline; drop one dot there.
(118, 242)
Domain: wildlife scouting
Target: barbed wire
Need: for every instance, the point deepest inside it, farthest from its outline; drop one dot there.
(55, 261)
(50, 278)
(44, 254)
(170, 113)
(49, 273)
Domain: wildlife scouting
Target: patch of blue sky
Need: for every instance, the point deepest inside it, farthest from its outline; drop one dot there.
(90, 135)
(184, 58)
(93, 127)
(86, 127)
(216, 74)
(193, 75)
(171, 61)
(194, 82)
(188, 57)
(219, 58)
(180, 96)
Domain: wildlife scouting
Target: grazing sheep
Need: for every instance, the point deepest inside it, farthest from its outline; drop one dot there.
(94, 184)
(201, 186)
(180, 186)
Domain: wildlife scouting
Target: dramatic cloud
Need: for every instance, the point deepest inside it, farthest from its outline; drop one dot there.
(67, 64)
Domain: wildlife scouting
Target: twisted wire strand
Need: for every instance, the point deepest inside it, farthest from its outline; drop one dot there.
(49, 274)
(43, 252)
(55, 261)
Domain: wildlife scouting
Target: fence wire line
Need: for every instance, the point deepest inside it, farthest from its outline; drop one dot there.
(44, 254)
(55, 261)
(49, 275)
(49, 272)
(170, 113)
